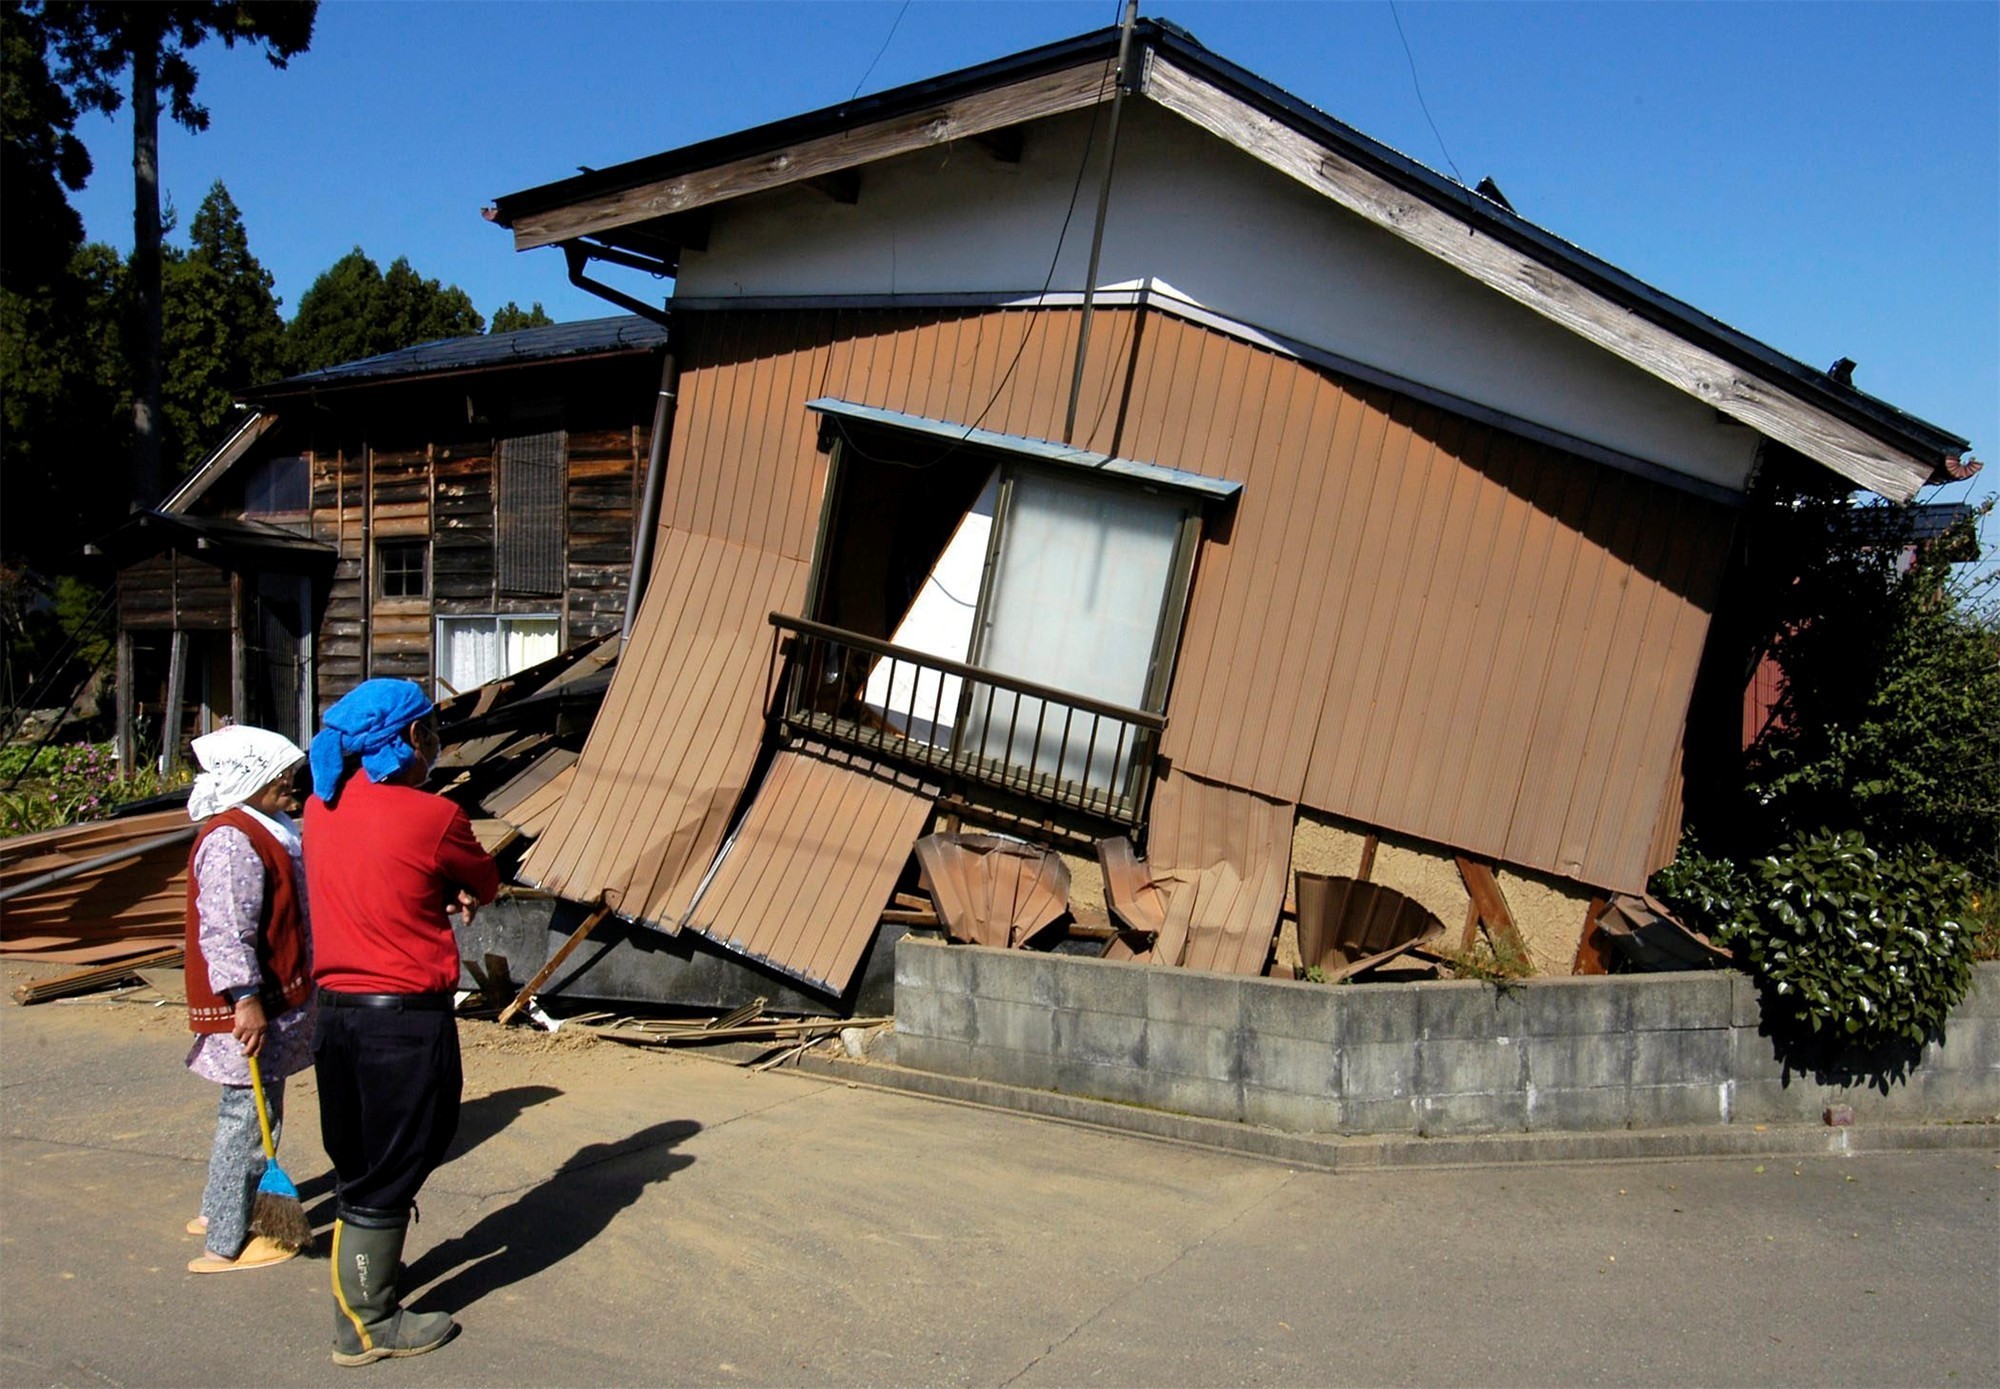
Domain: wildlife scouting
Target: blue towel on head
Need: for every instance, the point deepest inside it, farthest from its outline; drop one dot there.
(367, 723)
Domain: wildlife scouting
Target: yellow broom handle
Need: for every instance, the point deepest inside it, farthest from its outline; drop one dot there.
(263, 1115)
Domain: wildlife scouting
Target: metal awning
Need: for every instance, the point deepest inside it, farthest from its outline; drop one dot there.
(962, 436)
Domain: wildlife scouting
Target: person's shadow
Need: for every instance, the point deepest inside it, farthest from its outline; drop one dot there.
(553, 1220)
(478, 1120)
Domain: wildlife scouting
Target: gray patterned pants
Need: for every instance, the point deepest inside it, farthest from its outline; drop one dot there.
(236, 1165)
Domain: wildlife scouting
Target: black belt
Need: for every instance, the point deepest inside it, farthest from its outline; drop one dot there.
(407, 1003)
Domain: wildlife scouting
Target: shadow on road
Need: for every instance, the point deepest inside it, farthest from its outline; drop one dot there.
(551, 1222)
(478, 1120)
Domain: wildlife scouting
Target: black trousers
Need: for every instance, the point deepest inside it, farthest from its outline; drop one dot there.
(389, 1087)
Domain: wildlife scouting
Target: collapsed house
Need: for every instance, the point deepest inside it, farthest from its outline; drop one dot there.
(1313, 514)
(452, 513)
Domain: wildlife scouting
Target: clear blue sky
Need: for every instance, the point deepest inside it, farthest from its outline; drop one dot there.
(1824, 177)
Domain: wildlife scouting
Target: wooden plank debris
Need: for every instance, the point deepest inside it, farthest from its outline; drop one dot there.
(86, 981)
(663, 1033)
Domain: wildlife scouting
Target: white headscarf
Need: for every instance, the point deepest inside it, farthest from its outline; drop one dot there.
(238, 762)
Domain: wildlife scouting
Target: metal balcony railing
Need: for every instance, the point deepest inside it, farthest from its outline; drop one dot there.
(995, 730)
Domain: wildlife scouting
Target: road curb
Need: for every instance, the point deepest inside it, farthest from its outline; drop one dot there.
(1369, 1153)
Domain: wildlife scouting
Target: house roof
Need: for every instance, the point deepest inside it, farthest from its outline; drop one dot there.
(643, 205)
(594, 337)
(221, 540)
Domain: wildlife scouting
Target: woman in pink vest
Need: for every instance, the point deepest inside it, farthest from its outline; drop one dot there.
(249, 970)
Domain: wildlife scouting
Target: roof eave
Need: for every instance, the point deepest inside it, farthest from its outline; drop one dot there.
(828, 120)
(1872, 444)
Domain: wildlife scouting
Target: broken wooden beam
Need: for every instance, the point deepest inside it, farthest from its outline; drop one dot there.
(527, 994)
(1491, 904)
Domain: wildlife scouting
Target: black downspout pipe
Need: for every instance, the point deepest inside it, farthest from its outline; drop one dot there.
(656, 486)
(580, 254)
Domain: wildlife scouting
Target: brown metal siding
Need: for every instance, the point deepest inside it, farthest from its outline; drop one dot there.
(1198, 826)
(804, 882)
(673, 748)
(1410, 618)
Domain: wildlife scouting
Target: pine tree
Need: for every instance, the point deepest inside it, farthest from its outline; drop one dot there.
(223, 332)
(510, 317)
(353, 311)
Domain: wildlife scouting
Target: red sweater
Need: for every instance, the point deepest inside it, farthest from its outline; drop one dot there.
(381, 864)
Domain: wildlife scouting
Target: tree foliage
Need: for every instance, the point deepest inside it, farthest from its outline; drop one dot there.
(41, 159)
(1887, 722)
(63, 426)
(223, 332)
(354, 310)
(98, 42)
(510, 317)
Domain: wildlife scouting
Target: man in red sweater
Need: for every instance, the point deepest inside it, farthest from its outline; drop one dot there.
(387, 864)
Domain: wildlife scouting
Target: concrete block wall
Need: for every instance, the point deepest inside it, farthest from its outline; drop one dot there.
(1626, 1051)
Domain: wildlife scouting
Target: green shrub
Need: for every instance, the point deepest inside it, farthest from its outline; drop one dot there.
(1708, 893)
(1982, 920)
(1869, 947)
(68, 784)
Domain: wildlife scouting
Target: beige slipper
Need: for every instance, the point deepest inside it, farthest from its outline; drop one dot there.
(258, 1253)
(197, 1226)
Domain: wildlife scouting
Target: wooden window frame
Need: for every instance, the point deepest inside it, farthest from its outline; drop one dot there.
(383, 549)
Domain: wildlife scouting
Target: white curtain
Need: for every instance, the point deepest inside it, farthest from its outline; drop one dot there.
(473, 651)
(529, 641)
(468, 653)
(1082, 573)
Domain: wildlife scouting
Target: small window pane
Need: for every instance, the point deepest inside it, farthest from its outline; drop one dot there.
(402, 568)
(278, 487)
(474, 651)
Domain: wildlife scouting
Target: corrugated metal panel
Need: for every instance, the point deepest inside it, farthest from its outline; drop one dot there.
(1238, 846)
(534, 812)
(992, 891)
(1409, 619)
(1213, 881)
(1422, 623)
(674, 745)
(803, 883)
(108, 913)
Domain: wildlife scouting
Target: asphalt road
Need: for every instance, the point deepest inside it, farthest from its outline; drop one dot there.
(618, 1217)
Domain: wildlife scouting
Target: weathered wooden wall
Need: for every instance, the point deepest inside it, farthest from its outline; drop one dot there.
(606, 470)
(404, 462)
(171, 590)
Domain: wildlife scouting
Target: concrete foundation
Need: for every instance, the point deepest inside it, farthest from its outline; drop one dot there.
(1564, 1054)
(627, 963)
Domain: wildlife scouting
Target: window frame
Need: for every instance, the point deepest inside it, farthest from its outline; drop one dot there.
(399, 544)
(496, 619)
(1168, 622)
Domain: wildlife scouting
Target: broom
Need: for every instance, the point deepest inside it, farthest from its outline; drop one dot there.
(277, 1214)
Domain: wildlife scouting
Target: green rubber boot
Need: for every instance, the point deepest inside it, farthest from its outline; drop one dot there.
(368, 1322)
